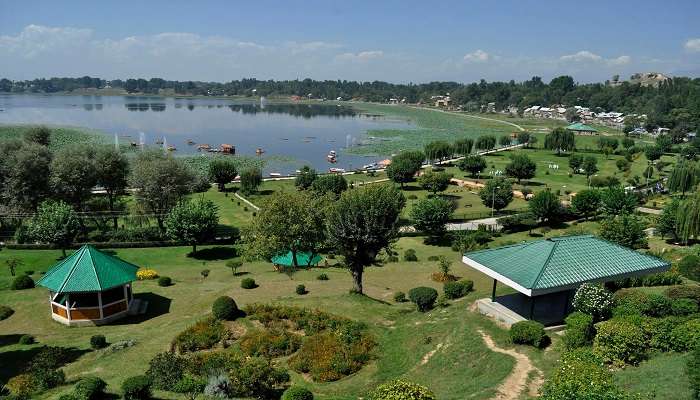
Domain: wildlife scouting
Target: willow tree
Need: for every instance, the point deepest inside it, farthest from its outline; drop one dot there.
(683, 177)
(688, 218)
(463, 146)
(560, 140)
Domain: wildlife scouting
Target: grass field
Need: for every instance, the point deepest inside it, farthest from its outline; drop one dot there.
(661, 377)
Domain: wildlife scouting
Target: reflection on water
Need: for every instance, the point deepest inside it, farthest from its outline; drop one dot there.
(304, 132)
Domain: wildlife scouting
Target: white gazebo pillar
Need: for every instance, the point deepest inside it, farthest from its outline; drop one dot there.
(68, 307)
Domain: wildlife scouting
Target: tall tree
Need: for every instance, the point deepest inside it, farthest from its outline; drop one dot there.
(589, 165)
(305, 177)
(667, 222)
(24, 175)
(575, 162)
(192, 221)
(404, 166)
(560, 140)
(653, 153)
(55, 223)
(112, 168)
(521, 167)
(688, 218)
(331, 183)
(430, 215)
(434, 181)
(222, 171)
(586, 202)
(497, 193)
(615, 201)
(485, 142)
(38, 134)
(251, 178)
(624, 229)
(684, 176)
(74, 174)
(545, 206)
(463, 146)
(362, 223)
(437, 150)
(473, 164)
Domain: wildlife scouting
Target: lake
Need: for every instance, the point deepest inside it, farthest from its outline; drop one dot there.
(290, 134)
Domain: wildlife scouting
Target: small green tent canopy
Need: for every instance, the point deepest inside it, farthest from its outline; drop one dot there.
(88, 270)
(580, 127)
(303, 259)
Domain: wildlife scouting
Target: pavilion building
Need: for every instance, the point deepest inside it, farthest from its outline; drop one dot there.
(582, 129)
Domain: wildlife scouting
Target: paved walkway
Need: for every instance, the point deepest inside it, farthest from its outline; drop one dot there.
(491, 223)
(647, 210)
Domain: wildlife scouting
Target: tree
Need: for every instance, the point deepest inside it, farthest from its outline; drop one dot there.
(667, 223)
(586, 202)
(222, 171)
(192, 221)
(627, 143)
(664, 143)
(688, 218)
(74, 174)
(13, 263)
(473, 164)
(404, 166)
(430, 215)
(524, 138)
(287, 221)
(589, 166)
(497, 193)
(54, 223)
(683, 177)
(362, 223)
(40, 135)
(332, 183)
(545, 206)
(653, 153)
(575, 162)
(159, 182)
(437, 150)
(609, 142)
(234, 265)
(616, 201)
(434, 181)
(624, 229)
(560, 140)
(505, 140)
(24, 175)
(251, 178)
(485, 142)
(112, 169)
(521, 167)
(305, 177)
(463, 146)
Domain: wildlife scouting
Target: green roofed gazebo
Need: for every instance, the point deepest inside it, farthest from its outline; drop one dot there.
(304, 259)
(559, 265)
(582, 128)
(89, 287)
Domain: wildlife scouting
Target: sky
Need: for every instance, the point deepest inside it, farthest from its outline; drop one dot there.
(394, 41)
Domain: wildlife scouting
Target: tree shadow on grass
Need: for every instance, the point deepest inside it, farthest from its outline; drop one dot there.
(214, 254)
(411, 188)
(157, 305)
(6, 340)
(16, 361)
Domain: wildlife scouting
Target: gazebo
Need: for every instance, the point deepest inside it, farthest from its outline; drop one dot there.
(545, 272)
(582, 129)
(89, 288)
(304, 258)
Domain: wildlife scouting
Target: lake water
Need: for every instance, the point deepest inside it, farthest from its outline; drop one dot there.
(290, 134)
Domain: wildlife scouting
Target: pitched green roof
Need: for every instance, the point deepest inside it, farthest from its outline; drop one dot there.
(550, 265)
(302, 259)
(88, 270)
(581, 127)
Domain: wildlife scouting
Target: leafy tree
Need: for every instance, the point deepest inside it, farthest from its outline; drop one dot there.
(305, 177)
(616, 201)
(524, 138)
(251, 178)
(404, 166)
(24, 175)
(463, 146)
(521, 167)
(688, 218)
(430, 215)
(437, 150)
(74, 174)
(497, 193)
(485, 142)
(434, 181)
(222, 171)
(575, 162)
(627, 143)
(624, 229)
(653, 153)
(12, 264)
(683, 177)
(505, 140)
(287, 221)
(473, 164)
(332, 183)
(159, 181)
(362, 223)
(622, 165)
(545, 206)
(589, 166)
(586, 202)
(609, 142)
(665, 143)
(55, 223)
(560, 140)
(112, 170)
(193, 221)
(667, 223)
(40, 135)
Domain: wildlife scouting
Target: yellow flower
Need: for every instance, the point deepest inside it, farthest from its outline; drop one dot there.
(146, 273)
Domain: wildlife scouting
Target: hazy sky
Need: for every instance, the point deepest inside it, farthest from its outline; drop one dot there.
(396, 41)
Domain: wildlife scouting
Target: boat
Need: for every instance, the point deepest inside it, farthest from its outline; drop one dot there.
(228, 148)
(190, 142)
(275, 175)
(172, 148)
(259, 151)
(336, 170)
(203, 146)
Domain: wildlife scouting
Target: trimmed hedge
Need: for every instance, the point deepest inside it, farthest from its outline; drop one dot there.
(22, 282)
(528, 332)
(683, 292)
(98, 342)
(689, 266)
(224, 308)
(165, 281)
(456, 290)
(300, 290)
(136, 388)
(297, 393)
(621, 341)
(686, 335)
(424, 297)
(248, 283)
(26, 339)
(5, 312)
(401, 390)
(90, 388)
(579, 330)
(410, 255)
(322, 277)
(399, 297)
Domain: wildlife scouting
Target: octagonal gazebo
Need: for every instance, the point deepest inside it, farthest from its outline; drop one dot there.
(89, 287)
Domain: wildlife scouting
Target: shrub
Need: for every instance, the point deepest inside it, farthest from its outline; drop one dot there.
(165, 370)
(5, 312)
(90, 388)
(224, 308)
(146, 274)
(410, 255)
(659, 305)
(683, 292)
(21, 386)
(401, 390)
(528, 332)
(256, 377)
(330, 356)
(165, 281)
(683, 307)
(297, 393)
(190, 386)
(579, 330)
(218, 386)
(686, 335)
(300, 289)
(399, 297)
(269, 343)
(689, 266)
(659, 332)
(594, 300)
(98, 342)
(136, 388)
(433, 258)
(26, 339)
(620, 341)
(424, 297)
(204, 334)
(631, 302)
(248, 283)
(456, 290)
(693, 370)
(322, 277)
(22, 282)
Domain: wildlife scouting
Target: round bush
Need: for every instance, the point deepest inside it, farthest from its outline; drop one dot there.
(410, 255)
(248, 283)
(5, 312)
(322, 277)
(528, 332)
(683, 292)
(594, 300)
(685, 336)
(401, 390)
(620, 341)
(98, 342)
(26, 339)
(301, 289)
(456, 290)
(424, 297)
(689, 266)
(165, 370)
(22, 282)
(631, 302)
(579, 330)
(224, 308)
(683, 307)
(399, 297)
(165, 281)
(136, 388)
(297, 393)
(90, 388)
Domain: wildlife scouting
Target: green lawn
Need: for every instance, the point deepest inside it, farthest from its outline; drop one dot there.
(661, 377)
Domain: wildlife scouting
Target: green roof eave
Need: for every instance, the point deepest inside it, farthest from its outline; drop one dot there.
(303, 259)
(581, 127)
